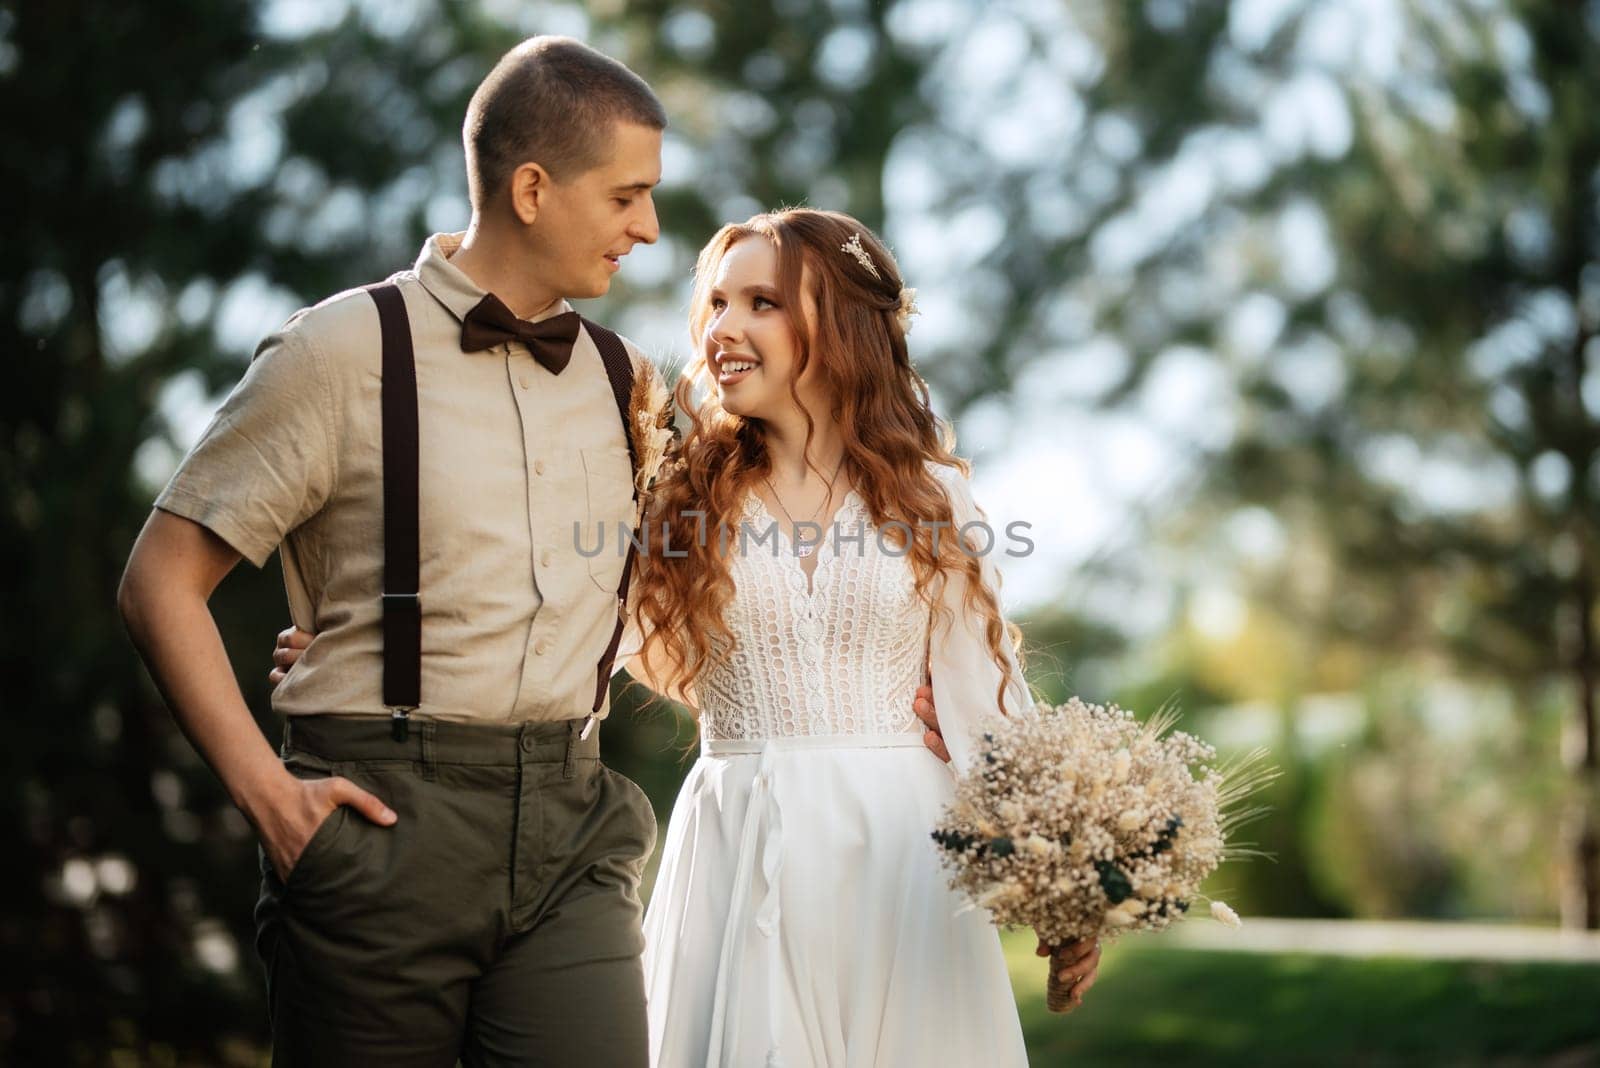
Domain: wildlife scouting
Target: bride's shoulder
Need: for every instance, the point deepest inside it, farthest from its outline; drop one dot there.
(957, 483)
(953, 478)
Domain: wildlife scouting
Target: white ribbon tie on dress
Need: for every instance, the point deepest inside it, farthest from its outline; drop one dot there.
(764, 815)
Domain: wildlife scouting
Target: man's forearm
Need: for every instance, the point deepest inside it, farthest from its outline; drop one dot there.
(176, 635)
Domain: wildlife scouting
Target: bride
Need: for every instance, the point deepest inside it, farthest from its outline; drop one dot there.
(800, 915)
(815, 572)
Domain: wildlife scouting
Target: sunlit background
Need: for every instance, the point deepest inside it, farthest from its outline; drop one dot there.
(1276, 319)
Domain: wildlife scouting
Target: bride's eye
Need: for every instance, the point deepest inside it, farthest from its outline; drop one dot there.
(717, 304)
(759, 301)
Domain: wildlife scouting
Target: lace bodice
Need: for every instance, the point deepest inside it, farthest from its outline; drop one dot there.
(844, 652)
(844, 657)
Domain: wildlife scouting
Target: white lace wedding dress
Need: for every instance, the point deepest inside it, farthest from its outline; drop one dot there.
(800, 916)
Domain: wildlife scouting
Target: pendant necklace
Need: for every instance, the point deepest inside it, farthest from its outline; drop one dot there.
(805, 550)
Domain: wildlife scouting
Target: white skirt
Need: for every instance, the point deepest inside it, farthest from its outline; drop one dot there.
(801, 916)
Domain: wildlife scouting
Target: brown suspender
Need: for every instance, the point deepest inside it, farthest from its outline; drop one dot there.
(619, 369)
(402, 605)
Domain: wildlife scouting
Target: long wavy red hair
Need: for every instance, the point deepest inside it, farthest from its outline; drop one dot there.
(879, 402)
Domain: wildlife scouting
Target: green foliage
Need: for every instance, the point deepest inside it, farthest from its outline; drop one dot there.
(1158, 1005)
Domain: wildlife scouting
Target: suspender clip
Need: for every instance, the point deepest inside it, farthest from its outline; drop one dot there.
(402, 655)
(400, 724)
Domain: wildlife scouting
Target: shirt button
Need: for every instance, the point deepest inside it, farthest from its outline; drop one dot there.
(541, 647)
(538, 467)
(544, 558)
(524, 381)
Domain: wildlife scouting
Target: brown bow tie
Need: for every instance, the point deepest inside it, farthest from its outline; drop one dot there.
(491, 323)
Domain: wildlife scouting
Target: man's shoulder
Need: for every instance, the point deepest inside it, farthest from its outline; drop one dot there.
(344, 322)
(642, 363)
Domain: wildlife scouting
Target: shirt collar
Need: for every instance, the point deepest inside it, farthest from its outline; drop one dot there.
(450, 285)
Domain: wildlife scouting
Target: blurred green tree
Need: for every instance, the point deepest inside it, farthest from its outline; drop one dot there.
(1439, 487)
(1362, 256)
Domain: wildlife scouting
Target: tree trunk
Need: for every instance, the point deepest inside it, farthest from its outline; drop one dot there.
(1580, 818)
(1580, 837)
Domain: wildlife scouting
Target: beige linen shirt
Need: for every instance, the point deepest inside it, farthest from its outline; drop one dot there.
(514, 617)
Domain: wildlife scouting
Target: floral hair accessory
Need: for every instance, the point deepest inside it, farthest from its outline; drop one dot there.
(853, 246)
(908, 308)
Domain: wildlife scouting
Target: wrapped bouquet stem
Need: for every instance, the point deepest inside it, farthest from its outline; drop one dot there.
(1084, 823)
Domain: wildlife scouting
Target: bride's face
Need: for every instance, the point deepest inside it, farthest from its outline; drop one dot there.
(750, 348)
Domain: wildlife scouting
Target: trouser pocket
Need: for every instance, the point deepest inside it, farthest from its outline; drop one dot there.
(372, 945)
(305, 767)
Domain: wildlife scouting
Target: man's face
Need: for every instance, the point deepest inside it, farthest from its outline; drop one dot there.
(587, 223)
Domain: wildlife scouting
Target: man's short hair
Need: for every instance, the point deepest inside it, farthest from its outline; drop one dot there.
(551, 101)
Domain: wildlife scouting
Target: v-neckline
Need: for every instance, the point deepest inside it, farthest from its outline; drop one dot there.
(786, 546)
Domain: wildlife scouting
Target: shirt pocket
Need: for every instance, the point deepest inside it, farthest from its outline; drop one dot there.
(608, 481)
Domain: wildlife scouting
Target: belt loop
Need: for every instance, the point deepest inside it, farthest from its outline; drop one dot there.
(568, 769)
(429, 769)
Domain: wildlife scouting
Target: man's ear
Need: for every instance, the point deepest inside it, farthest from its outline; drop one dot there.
(530, 184)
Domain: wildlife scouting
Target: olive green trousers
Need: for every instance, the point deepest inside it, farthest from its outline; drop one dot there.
(497, 922)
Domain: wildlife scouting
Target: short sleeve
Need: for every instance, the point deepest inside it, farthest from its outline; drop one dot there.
(266, 463)
(965, 677)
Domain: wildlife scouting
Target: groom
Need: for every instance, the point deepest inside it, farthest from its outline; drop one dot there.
(447, 869)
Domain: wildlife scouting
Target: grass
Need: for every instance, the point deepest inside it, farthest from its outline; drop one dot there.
(1153, 1005)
